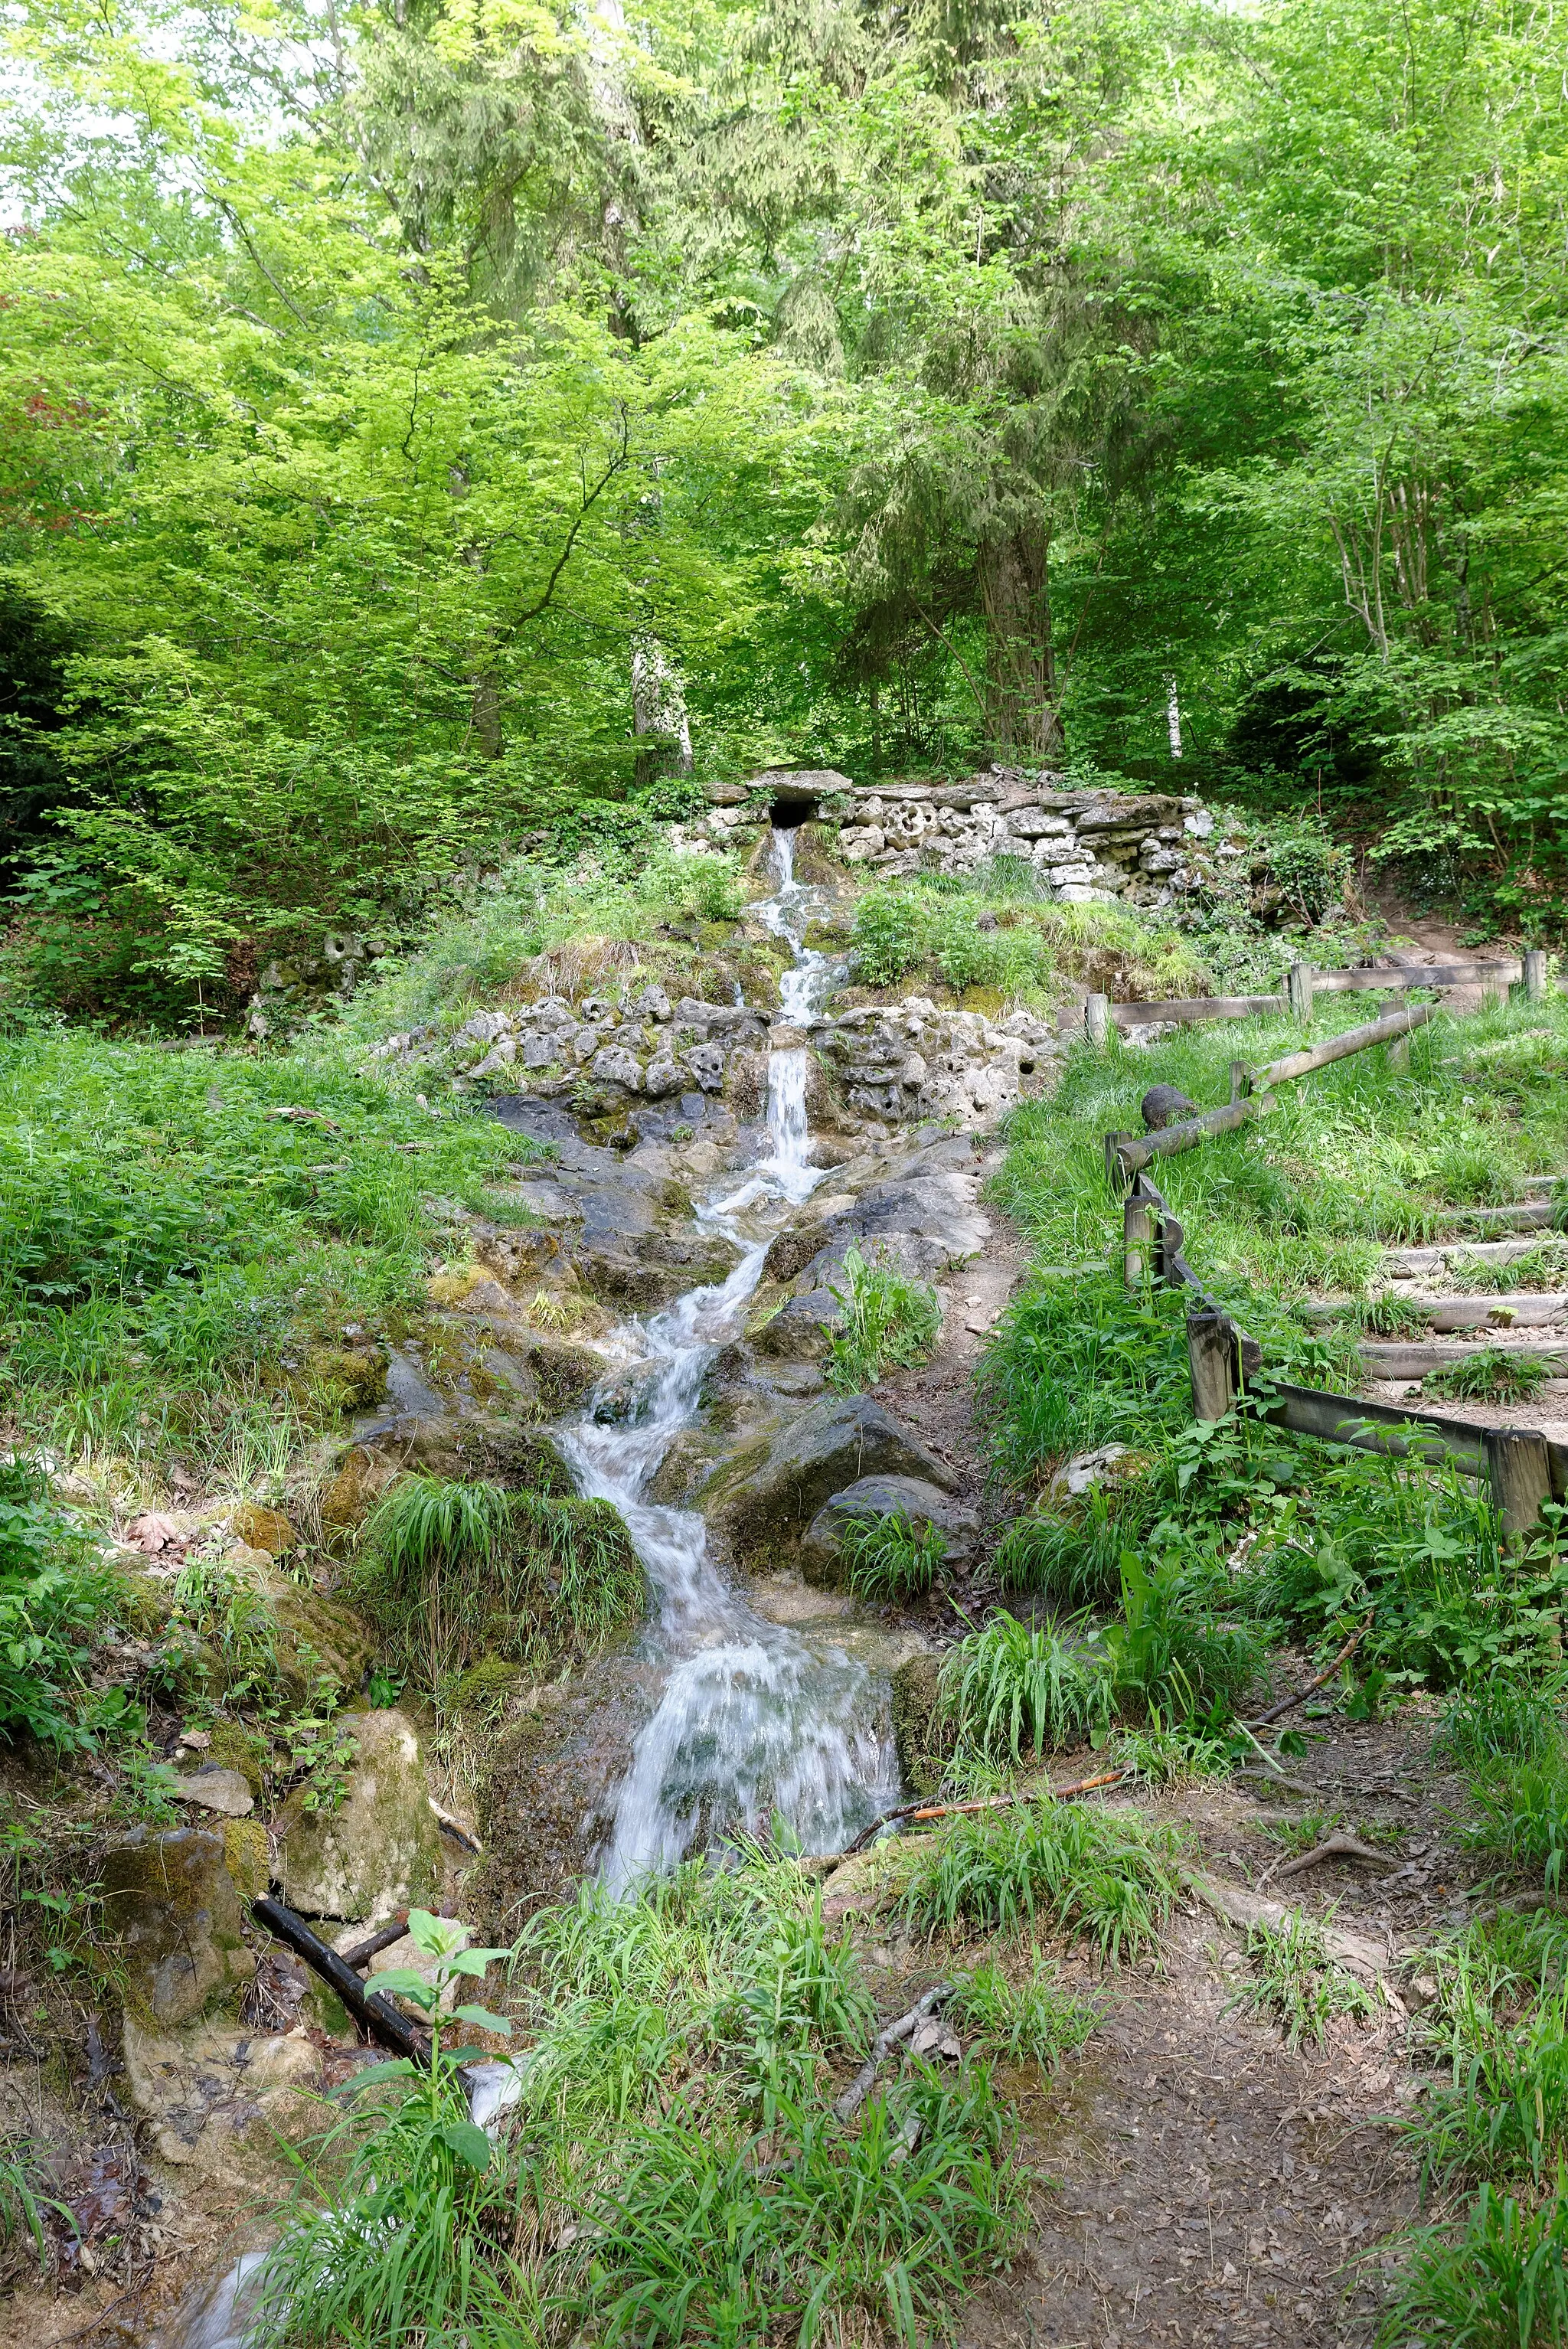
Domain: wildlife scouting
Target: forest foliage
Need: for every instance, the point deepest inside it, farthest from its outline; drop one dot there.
(422, 422)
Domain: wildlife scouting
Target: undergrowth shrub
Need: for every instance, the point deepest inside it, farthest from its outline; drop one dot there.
(1100, 1874)
(1012, 1689)
(1175, 1654)
(450, 1571)
(885, 1321)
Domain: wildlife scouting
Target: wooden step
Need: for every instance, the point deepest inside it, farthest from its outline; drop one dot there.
(1522, 1311)
(1408, 1263)
(1528, 1215)
(1400, 1359)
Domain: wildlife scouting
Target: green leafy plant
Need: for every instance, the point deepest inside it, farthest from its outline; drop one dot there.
(1296, 1984)
(889, 935)
(51, 1602)
(885, 1321)
(1106, 1877)
(412, 2244)
(888, 1557)
(1011, 1688)
(1173, 1653)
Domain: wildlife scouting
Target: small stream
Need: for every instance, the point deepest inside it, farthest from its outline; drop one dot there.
(755, 1719)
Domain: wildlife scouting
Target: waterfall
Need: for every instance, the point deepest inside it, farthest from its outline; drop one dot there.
(755, 1719)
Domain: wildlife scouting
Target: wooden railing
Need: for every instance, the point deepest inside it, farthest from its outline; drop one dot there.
(1525, 1468)
(1304, 984)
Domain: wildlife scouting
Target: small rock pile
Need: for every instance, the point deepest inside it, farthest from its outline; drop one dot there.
(1088, 847)
(645, 1046)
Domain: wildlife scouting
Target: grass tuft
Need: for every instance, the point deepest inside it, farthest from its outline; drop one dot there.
(885, 1322)
(1011, 1688)
(1103, 1875)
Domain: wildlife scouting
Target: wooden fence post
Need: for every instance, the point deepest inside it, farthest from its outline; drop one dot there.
(1535, 973)
(1520, 1467)
(1299, 986)
(1212, 1356)
(1137, 1234)
(1097, 1021)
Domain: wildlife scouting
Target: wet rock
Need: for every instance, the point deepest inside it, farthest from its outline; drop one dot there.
(911, 1497)
(547, 1800)
(380, 1849)
(801, 1329)
(770, 1491)
(170, 1903)
(923, 1740)
(355, 1376)
(656, 1270)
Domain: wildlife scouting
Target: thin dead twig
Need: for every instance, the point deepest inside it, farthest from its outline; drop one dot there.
(859, 2087)
(1288, 1703)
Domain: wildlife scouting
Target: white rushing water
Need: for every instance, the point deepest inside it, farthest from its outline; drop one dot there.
(753, 1720)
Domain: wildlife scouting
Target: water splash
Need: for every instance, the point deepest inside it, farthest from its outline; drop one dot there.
(753, 1720)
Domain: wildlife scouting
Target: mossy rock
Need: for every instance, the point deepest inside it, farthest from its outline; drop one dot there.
(354, 1492)
(318, 1635)
(566, 1372)
(266, 1530)
(352, 1377)
(923, 1740)
(547, 1801)
(487, 1688)
(248, 1856)
(234, 1747)
(170, 1902)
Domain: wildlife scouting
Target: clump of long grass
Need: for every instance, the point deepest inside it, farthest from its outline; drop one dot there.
(889, 1558)
(1103, 1875)
(885, 1322)
(1496, 1372)
(1296, 1984)
(1036, 2021)
(1500, 2282)
(1011, 1689)
(451, 1571)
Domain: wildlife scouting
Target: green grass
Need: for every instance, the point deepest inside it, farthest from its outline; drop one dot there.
(1011, 1689)
(1296, 1985)
(169, 1246)
(1496, 1372)
(1036, 2021)
(450, 1571)
(885, 1321)
(1496, 2028)
(1095, 1874)
(1500, 2281)
(1521, 1814)
(889, 1558)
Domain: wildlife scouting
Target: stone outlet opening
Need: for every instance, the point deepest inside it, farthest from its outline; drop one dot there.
(791, 808)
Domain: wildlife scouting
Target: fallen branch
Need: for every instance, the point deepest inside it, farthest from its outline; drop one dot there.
(1288, 1703)
(918, 1813)
(394, 1929)
(1338, 1846)
(859, 2087)
(372, 2010)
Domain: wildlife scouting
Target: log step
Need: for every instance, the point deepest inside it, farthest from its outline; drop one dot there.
(1405, 1264)
(1416, 1361)
(1522, 1311)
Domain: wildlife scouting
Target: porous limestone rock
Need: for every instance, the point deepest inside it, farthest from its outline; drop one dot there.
(202, 2088)
(923, 1740)
(379, 1849)
(548, 1797)
(169, 1902)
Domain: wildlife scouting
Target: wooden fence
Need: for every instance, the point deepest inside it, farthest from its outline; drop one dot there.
(1304, 984)
(1525, 1468)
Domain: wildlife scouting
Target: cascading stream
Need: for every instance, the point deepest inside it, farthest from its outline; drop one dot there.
(754, 1719)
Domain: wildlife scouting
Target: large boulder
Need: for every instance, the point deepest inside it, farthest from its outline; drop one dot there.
(379, 1849)
(922, 1503)
(170, 1902)
(770, 1491)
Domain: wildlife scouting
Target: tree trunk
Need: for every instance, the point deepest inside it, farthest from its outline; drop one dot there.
(658, 711)
(1021, 667)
